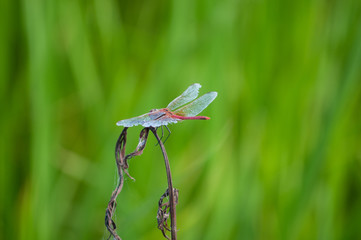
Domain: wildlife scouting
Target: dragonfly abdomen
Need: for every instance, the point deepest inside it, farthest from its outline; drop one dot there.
(191, 118)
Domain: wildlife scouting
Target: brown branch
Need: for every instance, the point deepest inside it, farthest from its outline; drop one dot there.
(138, 151)
(163, 212)
(171, 191)
(122, 165)
(164, 209)
(119, 159)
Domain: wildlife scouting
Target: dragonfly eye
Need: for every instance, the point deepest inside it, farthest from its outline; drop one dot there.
(153, 110)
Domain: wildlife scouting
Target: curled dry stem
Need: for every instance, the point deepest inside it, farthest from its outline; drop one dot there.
(165, 209)
(163, 212)
(122, 165)
(119, 158)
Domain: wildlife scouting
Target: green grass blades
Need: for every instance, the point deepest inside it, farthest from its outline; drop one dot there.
(279, 159)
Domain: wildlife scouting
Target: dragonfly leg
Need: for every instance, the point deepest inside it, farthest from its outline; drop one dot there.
(161, 136)
(162, 133)
(169, 132)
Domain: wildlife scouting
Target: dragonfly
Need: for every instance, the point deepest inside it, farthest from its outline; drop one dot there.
(184, 107)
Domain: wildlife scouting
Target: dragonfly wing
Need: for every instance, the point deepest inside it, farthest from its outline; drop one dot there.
(160, 122)
(140, 120)
(194, 108)
(188, 95)
(152, 119)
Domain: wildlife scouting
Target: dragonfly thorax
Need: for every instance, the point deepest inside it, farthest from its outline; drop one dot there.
(160, 110)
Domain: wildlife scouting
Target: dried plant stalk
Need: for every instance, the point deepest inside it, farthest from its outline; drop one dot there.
(122, 165)
(165, 209)
(172, 199)
(119, 158)
(163, 212)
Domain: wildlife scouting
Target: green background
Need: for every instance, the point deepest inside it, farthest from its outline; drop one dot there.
(279, 159)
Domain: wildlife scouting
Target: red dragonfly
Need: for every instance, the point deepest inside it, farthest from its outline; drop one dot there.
(175, 111)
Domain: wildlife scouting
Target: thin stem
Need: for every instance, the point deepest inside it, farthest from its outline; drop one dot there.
(172, 201)
(119, 158)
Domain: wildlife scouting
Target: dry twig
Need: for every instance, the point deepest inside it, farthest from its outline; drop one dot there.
(172, 198)
(165, 209)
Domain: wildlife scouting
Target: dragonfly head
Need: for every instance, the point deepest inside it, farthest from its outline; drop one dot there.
(153, 110)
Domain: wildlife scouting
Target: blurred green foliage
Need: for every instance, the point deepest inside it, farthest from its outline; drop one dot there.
(279, 159)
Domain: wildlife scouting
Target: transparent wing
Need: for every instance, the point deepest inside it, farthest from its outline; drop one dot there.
(160, 122)
(140, 120)
(188, 95)
(194, 108)
(152, 119)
